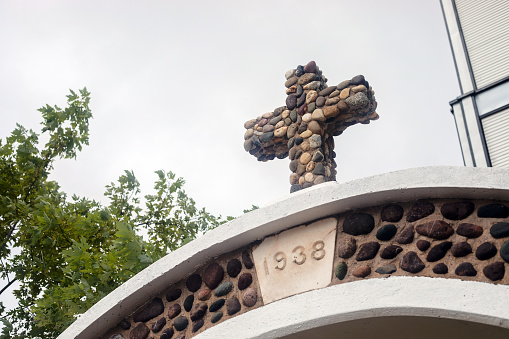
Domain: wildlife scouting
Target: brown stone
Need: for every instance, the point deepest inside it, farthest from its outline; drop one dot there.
(419, 210)
(486, 251)
(346, 247)
(245, 280)
(469, 230)
(406, 236)
(139, 332)
(330, 111)
(423, 245)
(392, 213)
(437, 229)
(234, 267)
(204, 294)
(358, 223)
(457, 210)
(495, 271)
(198, 311)
(232, 305)
(174, 311)
(367, 251)
(213, 275)
(343, 106)
(362, 271)
(411, 263)
(440, 269)
(466, 269)
(291, 81)
(159, 324)
(461, 249)
(391, 251)
(438, 251)
(193, 283)
(246, 259)
(173, 294)
(310, 67)
(314, 127)
(152, 310)
(249, 297)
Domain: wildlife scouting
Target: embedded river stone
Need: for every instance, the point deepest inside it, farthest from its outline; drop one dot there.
(216, 305)
(392, 213)
(419, 210)
(197, 325)
(223, 289)
(188, 303)
(173, 295)
(213, 275)
(167, 333)
(495, 271)
(437, 229)
(346, 247)
(457, 210)
(438, 251)
(493, 211)
(386, 232)
(469, 230)
(139, 332)
(367, 251)
(440, 269)
(486, 251)
(244, 281)
(246, 259)
(466, 269)
(386, 269)
(423, 245)
(362, 271)
(233, 268)
(159, 324)
(180, 323)
(198, 311)
(193, 283)
(152, 310)
(359, 223)
(125, 325)
(249, 297)
(500, 230)
(340, 270)
(461, 249)
(504, 251)
(232, 305)
(174, 311)
(391, 251)
(216, 317)
(204, 294)
(315, 112)
(406, 236)
(411, 263)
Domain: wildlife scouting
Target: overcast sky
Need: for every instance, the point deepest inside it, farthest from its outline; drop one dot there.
(172, 83)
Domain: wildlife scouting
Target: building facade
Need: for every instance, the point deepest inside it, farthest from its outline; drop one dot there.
(479, 38)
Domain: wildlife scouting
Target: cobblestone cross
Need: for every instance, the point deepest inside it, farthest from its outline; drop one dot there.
(303, 130)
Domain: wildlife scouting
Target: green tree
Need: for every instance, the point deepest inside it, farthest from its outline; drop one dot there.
(68, 253)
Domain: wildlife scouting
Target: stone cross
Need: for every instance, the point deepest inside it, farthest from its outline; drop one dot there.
(303, 129)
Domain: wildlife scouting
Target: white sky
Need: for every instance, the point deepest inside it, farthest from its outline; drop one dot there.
(172, 83)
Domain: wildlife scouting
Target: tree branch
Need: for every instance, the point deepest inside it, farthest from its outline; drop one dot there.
(8, 284)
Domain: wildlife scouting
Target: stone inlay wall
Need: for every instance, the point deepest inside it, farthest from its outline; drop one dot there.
(303, 129)
(459, 239)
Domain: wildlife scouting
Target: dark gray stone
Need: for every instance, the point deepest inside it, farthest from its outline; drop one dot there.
(319, 169)
(167, 333)
(493, 211)
(346, 247)
(216, 317)
(180, 323)
(299, 91)
(357, 80)
(500, 230)
(125, 325)
(386, 269)
(439, 251)
(359, 223)
(386, 232)
(291, 101)
(486, 251)
(193, 283)
(504, 251)
(216, 305)
(223, 289)
(188, 302)
(233, 267)
(197, 325)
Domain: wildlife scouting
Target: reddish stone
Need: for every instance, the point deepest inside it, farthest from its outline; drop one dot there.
(469, 230)
(461, 249)
(245, 280)
(367, 251)
(419, 210)
(406, 236)
(411, 263)
(174, 311)
(213, 275)
(246, 259)
(423, 245)
(390, 252)
(437, 229)
(139, 332)
(495, 271)
(392, 213)
(466, 269)
(362, 271)
(457, 210)
(234, 266)
(249, 297)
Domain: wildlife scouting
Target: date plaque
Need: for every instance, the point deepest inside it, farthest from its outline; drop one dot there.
(297, 260)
